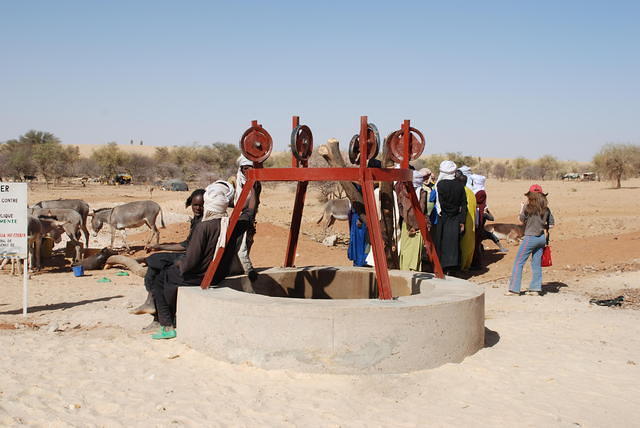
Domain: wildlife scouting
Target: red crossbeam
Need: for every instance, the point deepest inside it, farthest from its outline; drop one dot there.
(364, 176)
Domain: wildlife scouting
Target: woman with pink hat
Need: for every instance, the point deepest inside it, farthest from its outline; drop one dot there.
(537, 218)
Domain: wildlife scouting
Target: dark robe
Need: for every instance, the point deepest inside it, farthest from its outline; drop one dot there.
(453, 212)
(481, 204)
(190, 270)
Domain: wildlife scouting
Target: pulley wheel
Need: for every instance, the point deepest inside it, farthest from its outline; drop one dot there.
(301, 142)
(395, 142)
(256, 144)
(373, 144)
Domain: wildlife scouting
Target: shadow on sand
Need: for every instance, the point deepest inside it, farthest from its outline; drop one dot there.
(553, 287)
(64, 305)
(490, 338)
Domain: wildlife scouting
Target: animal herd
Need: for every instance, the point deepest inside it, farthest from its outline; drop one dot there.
(69, 216)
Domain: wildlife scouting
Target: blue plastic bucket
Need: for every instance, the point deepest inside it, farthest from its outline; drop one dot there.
(78, 271)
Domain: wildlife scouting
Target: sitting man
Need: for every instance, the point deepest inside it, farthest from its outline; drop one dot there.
(157, 262)
(208, 237)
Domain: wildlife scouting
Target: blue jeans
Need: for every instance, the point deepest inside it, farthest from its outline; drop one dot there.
(533, 245)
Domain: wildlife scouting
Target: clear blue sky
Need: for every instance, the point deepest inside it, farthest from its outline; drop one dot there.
(488, 78)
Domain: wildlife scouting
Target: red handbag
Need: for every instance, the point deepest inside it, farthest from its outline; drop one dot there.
(546, 257)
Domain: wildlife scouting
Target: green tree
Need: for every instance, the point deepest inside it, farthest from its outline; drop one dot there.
(548, 167)
(461, 159)
(617, 161)
(518, 167)
(110, 159)
(499, 170)
(19, 153)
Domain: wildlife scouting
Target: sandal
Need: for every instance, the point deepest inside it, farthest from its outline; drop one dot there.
(512, 293)
(165, 333)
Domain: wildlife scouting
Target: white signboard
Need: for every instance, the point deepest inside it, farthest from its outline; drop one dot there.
(13, 220)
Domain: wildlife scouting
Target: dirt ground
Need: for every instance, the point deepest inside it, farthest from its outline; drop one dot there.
(597, 228)
(549, 361)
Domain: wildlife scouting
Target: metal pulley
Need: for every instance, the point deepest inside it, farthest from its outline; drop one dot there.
(256, 143)
(301, 142)
(395, 144)
(373, 144)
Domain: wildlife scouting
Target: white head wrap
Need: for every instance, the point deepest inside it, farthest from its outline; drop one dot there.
(467, 173)
(418, 179)
(240, 177)
(216, 197)
(478, 182)
(243, 161)
(447, 172)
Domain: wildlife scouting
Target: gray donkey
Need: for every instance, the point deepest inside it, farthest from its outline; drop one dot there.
(126, 216)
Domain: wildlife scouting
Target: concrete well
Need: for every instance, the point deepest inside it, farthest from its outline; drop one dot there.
(327, 319)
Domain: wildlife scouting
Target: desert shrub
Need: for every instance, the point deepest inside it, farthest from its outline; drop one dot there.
(484, 168)
(110, 159)
(548, 167)
(278, 160)
(86, 167)
(499, 171)
(531, 172)
(616, 162)
(141, 167)
(461, 159)
(433, 163)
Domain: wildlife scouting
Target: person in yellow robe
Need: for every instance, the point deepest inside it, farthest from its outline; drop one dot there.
(410, 238)
(468, 239)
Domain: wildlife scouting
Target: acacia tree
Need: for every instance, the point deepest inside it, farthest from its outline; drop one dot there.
(19, 153)
(110, 159)
(548, 167)
(617, 161)
(499, 170)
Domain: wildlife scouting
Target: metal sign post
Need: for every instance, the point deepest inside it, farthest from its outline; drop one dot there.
(13, 229)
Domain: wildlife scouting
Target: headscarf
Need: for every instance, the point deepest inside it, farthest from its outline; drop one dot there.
(240, 177)
(447, 172)
(418, 179)
(216, 197)
(478, 182)
(467, 173)
(481, 204)
(426, 172)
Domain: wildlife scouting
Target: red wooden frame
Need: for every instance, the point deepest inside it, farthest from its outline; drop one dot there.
(363, 175)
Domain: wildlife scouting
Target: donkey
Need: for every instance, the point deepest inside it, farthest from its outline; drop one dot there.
(510, 232)
(335, 209)
(73, 204)
(72, 224)
(36, 230)
(130, 215)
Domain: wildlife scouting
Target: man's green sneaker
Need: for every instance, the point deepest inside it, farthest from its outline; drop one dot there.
(165, 333)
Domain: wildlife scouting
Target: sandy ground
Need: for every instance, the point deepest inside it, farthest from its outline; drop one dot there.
(79, 358)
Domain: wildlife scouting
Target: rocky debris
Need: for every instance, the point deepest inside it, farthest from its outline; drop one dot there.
(330, 241)
(53, 327)
(631, 297)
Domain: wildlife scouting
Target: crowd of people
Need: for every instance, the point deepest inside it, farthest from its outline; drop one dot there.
(454, 204)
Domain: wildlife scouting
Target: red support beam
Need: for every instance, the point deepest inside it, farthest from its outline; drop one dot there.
(328, 174)
(233, 220)
(363, 175)
(298, 206)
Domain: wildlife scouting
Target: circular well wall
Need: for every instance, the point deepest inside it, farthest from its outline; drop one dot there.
(327, 319)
